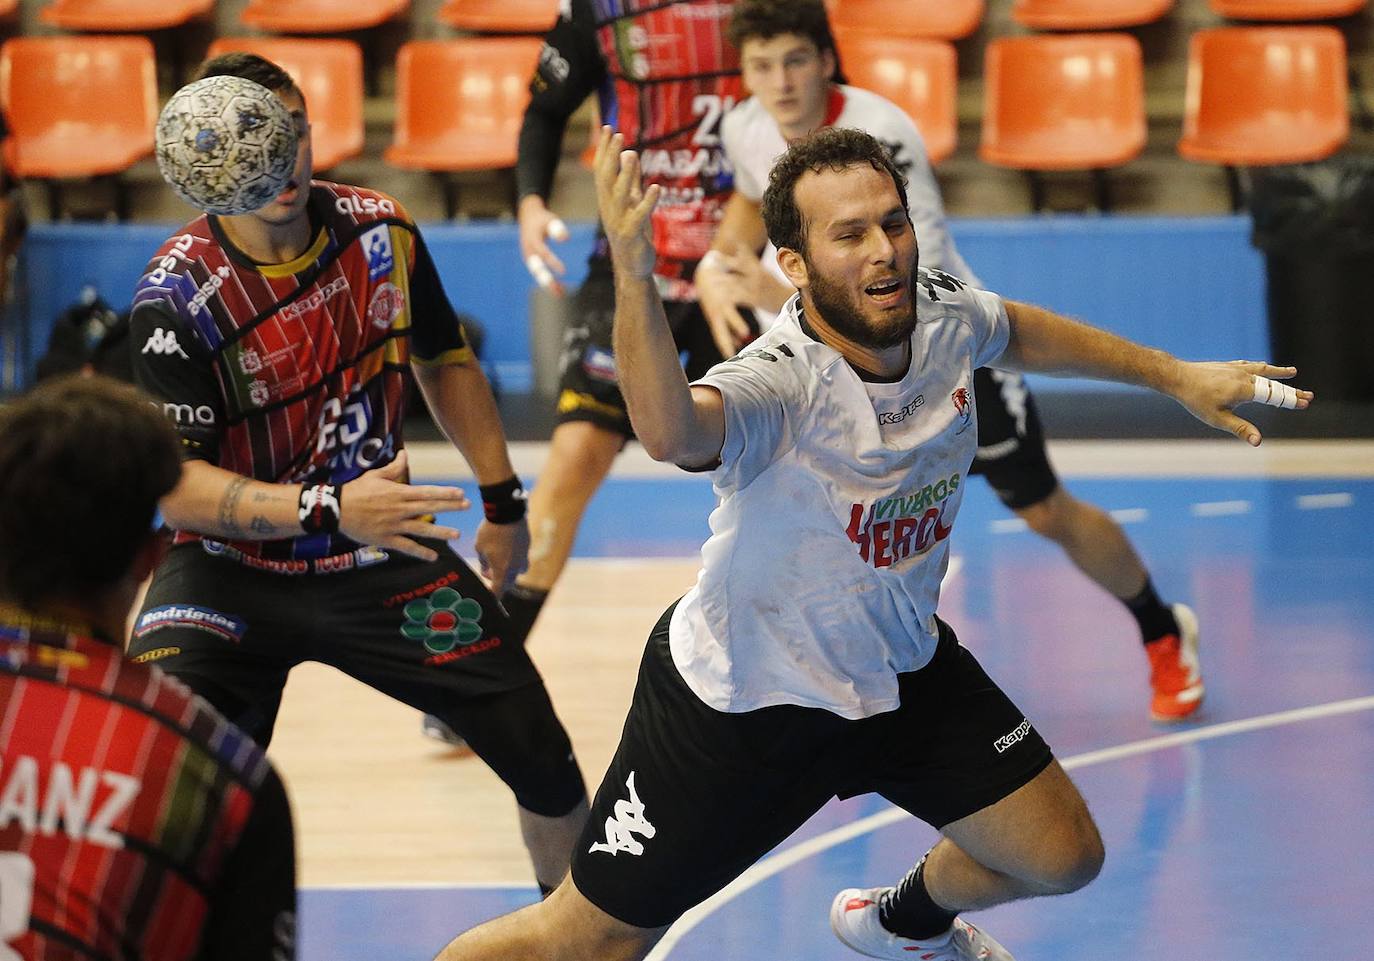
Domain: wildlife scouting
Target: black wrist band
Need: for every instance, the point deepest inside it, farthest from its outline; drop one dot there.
(320, 508)
(503, 503)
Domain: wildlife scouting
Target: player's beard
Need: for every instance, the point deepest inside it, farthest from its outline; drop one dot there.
(843, 312)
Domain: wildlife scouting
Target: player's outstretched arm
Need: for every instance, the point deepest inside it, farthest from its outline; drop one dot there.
(1044, 342)
(674, 422)
(377, 508)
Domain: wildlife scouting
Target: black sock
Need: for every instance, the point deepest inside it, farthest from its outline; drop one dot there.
(523, 605)
(908, 911)
(1154, 618)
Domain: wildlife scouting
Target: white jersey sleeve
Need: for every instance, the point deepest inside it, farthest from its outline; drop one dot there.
(753, 387)
(741, 131)
(982, 311)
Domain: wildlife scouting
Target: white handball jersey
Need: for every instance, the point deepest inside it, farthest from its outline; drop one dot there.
(836, 499)
(753, 143)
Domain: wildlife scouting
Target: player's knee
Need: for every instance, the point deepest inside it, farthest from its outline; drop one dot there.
(1071, 856)
(585, 931)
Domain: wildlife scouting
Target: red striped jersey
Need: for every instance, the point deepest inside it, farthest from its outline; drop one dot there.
(296, 372)
(135, 822)
(670, 75)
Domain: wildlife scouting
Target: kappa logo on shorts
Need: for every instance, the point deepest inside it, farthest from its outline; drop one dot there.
(443, 621)
(196, 618)
(629, 820)
(1010, 740)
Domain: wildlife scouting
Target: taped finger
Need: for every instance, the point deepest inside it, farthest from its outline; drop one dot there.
(558, 230)
(1275, 394)
(539, 270)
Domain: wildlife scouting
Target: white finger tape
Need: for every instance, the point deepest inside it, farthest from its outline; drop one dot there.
(539, 270)
(558, 230)
(1275, 394)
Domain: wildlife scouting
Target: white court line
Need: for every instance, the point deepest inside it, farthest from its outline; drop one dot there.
(1317, 502)
(1008, 525)
(422, 886)
(1219, 508)
(1130, 515)
(778, 863)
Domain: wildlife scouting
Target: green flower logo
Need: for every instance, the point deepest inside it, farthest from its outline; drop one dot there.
(443, 620)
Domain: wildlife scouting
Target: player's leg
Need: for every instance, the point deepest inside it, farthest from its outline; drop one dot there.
(1012, 455)
(692, 797)
(223, 631)
(961, 756)
(432, 636)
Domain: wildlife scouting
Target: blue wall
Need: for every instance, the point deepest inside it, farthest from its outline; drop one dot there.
(1192, 286)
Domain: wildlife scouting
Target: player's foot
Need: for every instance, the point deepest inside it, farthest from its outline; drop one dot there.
(1175, 673)
(432, 727)
(854, 919)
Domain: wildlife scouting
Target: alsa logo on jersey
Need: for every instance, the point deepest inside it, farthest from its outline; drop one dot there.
(196, 618)
(365, 206)
(164, 344)
(628, 821)
(180, 251)
(963, 406)
(207, 289)
(376, 243)
(67, 803)
(896, 528)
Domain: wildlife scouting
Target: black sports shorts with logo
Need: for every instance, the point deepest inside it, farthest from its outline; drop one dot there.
(428, 634)
(694, 796)
(587, 389)
(1011, 444)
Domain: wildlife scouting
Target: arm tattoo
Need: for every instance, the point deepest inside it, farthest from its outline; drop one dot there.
(261, 525)
(228, 507)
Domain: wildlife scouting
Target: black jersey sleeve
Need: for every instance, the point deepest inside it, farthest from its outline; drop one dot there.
(436, 333)
(570, 68)
(252, 915)
(175, 369)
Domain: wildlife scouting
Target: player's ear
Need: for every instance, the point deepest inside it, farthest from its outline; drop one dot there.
(793, 266)
(828, 64)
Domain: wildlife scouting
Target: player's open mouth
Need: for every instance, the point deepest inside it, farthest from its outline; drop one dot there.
(886, 292)
(287, 195)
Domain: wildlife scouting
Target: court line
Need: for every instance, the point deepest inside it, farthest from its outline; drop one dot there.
(778, 863)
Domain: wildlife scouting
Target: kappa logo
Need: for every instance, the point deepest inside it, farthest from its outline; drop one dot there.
(963, 404)
(1010, 739)
(164, 344)
(629, 820)
(897, 416)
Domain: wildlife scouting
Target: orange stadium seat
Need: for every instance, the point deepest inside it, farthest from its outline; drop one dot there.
(1087, 14)
(330, 75)
(78, 106)
(123, 14)
(460, 103)
(935, 19)
(1286, 9)
(500, 16)
(8, 8)
(319, 16)
(1063, 102)
(917, 75)
(1259, 96)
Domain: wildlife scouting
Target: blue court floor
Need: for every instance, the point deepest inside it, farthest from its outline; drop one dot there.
(1246, 834)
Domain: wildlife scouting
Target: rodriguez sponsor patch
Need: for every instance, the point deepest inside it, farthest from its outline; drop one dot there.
(188, 615)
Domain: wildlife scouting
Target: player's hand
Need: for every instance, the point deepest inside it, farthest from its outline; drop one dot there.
(537, 225)
(503, 552)
(381, 509)
(1211, 391)
(625, 206)
(720, 290)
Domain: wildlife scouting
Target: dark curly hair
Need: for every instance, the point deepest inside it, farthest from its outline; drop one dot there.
(833, 148)
(766, 19)
(83, 464)
(249, 66)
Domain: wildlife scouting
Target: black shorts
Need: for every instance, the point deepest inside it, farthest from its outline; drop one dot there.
(1011, 444)
(428, 634)
(694, 796)
(587, 389)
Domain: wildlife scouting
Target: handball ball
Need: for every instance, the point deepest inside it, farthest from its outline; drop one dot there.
(226, 145)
